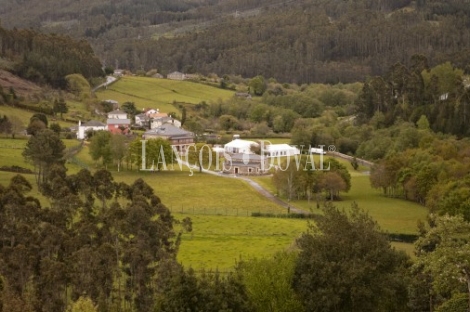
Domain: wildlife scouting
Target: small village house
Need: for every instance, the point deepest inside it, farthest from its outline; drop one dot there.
(91, 125)
(142, 120)
(118, 122)
(160, 121)
(176, 75)
(118, 126)
(117, 114)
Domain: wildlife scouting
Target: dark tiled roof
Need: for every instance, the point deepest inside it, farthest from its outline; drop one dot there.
(93, 123)
(168, 130)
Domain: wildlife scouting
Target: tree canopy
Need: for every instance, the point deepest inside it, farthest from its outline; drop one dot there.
(346, 264)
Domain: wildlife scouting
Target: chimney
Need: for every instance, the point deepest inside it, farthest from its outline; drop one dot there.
(79, 123)
(158, 110)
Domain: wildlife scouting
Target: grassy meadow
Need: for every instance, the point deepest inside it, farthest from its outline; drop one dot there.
(393, 215)
(160, 93)
(220, 208)
(218, 242)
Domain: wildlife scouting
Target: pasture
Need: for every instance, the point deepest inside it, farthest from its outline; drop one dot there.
(77, 109)
(393, 215)
(220, 208)
(160, 93)
(218, 242)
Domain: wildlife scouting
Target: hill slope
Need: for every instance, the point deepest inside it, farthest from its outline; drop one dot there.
(292, 40)
(161, 93)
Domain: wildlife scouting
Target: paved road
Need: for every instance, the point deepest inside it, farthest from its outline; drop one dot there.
(109, 80)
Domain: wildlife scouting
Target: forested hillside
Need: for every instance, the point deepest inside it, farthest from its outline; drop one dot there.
(47, 59)
(296, 41)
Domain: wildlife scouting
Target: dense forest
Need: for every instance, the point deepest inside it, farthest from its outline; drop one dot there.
(294, 41)
(47, 59)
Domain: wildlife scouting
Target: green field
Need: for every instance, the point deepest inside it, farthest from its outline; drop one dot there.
(25, 115)
(393, 215)
(220, 209)
(220, 241)
(160, 93)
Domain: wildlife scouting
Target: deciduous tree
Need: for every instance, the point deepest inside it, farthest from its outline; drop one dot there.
(346, 264)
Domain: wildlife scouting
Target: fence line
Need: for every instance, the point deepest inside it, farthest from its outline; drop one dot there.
(223, 211)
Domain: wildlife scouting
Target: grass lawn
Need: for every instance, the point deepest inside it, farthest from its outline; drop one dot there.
(11, 153)
(160, 93)
(25, 115)
(202, 193)
(218, 242)
(393, 215)
(79, 109)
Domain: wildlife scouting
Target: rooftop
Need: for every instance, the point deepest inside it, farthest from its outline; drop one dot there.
(93, 123)
(117, 111)
(168, 130)
(118, 122)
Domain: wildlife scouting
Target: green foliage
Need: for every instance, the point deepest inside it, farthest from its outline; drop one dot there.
(303, 178)
(44, 150)
(438, 94)
(346, 264)
(272, 42)
(100, 147)
(78, 85)
(158, 154)
(202, 156)
(55, 127)
(130, 109)
(40, 117)
(228, 122)
(257, 85)
(269, 283)
(437, 256)
(83, 304)
(209, 291)
(423, 123)
(45, 58)
(111, 241)
(354, 163)
(5, 125)
(447, 76)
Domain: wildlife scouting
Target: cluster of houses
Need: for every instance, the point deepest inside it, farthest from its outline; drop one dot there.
(240, 158)
(161, 126)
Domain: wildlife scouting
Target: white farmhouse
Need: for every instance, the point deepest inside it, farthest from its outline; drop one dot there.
(90, 125)
(117, 114)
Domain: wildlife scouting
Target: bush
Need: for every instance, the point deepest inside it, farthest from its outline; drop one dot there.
(15, 169)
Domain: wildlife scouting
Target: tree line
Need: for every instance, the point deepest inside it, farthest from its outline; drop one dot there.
(440, 93)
